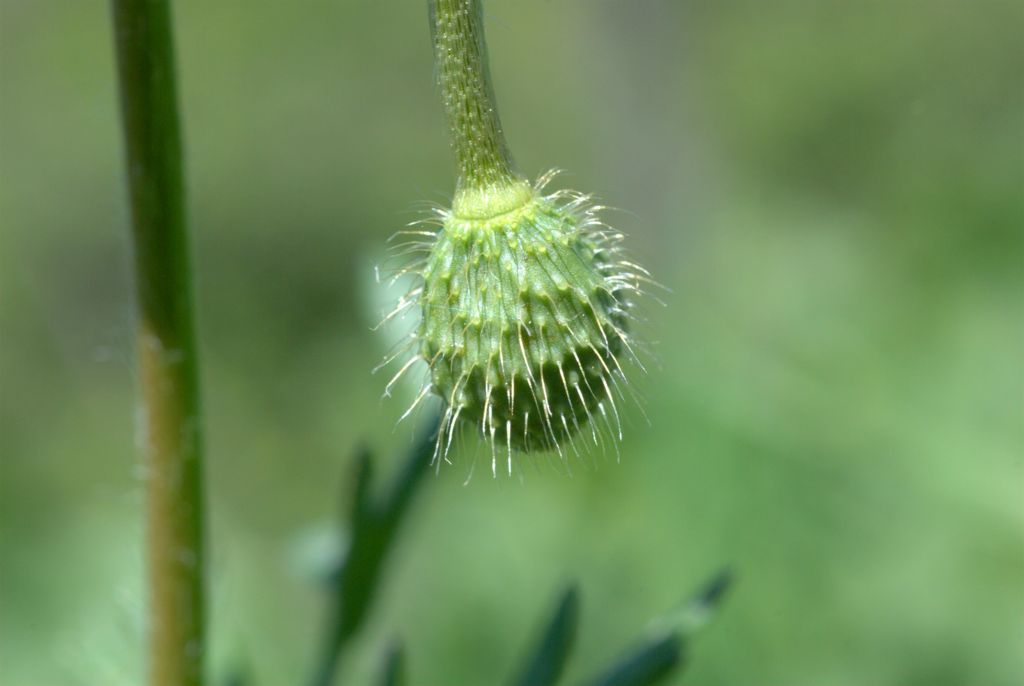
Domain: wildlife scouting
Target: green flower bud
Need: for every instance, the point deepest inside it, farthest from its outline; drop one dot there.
(524, 297)
(522, 323)
(524, 318)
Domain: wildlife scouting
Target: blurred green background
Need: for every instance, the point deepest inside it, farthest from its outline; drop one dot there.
(834, 191)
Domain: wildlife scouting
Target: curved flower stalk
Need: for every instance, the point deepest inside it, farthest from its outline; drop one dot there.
(525, 295)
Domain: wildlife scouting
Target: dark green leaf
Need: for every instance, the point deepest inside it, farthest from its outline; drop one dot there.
(374, 526)
(648, 664)
(552, 651)
(663, 653)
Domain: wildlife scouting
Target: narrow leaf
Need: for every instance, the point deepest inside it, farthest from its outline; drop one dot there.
(648, 664)
(375, 523)
(552, 651)
(663, 652)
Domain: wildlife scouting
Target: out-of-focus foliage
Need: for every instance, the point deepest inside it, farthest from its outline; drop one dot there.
(833, 190)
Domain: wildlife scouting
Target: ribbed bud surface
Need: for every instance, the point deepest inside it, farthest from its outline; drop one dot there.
(521, 325)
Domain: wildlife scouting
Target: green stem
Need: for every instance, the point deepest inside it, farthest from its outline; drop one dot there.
(482, 157)
(166, 343)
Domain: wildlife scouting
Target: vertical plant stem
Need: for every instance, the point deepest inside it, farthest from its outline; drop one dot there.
(166, 342)
(483, 161)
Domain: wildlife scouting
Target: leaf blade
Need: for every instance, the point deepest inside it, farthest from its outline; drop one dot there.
(552, 650)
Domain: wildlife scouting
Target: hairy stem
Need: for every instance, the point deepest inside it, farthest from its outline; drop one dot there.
(482, 157)
(166, 342)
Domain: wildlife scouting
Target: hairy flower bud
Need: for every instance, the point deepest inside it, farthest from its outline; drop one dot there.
(524, 312)
(523, 296)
